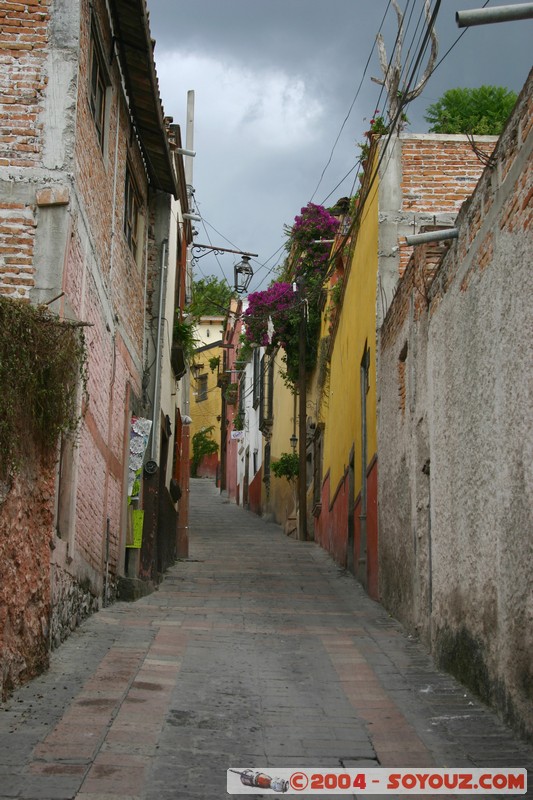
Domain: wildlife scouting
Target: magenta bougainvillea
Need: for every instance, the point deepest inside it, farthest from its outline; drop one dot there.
(314, 225)
(272, 317)
(268, 314)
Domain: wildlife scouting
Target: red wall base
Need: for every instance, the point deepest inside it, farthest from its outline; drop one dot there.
(331, 527)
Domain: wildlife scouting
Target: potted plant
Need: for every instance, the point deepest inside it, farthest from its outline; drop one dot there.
(232, 393)
(288, 466)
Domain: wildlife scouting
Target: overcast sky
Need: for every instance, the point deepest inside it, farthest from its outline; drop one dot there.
(274, 81)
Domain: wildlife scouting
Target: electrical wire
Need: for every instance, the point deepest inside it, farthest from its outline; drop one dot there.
(393, 54)
(339, 134)
(392, 128)
(447, 53)
(351, 106)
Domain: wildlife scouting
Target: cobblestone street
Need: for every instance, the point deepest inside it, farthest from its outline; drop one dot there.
(255, 652)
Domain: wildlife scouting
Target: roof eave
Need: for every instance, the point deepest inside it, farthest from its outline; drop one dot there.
(132, 35)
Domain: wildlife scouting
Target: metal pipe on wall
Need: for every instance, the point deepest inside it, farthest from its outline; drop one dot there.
(157, 386)
(432, 236)
(487, 16)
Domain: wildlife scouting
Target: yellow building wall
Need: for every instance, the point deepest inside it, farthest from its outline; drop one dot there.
(341, 404)
(204, 413)
(285, 422)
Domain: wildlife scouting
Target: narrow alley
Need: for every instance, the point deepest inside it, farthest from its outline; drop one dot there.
(255, 652)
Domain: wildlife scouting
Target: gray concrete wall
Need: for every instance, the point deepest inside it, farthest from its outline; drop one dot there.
(403, 493)
(471, 594)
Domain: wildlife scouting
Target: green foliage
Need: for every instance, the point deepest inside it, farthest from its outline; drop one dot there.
(287, 466)
(185, 337)
(238, 422)
(483, 111)
(214, 363)
(210, 297)
(244, 353)
(43, 361)
(202, 445)
(232, 393)
(336, 291)
(309, 246)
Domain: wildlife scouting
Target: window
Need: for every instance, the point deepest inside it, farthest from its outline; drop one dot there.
(318, 443)
(131, 213)
(266, 393)
(202, 388)
(98, 86)
(256, 378)
(66, 495)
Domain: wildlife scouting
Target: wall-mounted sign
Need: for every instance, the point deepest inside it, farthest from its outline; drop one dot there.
(137, 519)
(139, 435)
(237, 435)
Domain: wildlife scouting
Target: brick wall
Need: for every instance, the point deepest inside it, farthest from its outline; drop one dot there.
(62, 230)
(23, 50)
(17, 236)
(26, 525)
(100, 181)
(438, 174)
(23, 38)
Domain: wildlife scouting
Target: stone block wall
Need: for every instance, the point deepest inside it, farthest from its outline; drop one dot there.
(26, 535)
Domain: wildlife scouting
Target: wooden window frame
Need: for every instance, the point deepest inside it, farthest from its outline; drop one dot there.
(256, 386)
(202, 388)
(132, 211)
(99, 84)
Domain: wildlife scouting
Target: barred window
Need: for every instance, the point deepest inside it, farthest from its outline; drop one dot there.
(132, 207)
(202, 388)
(98, 85)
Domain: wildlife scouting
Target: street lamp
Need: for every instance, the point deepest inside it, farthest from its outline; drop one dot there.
(294, 441)
(243, 275)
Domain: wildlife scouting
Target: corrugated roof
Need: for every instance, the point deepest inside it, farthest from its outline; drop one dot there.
(132, 32)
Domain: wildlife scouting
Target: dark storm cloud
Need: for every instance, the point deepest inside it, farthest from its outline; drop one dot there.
(274, 80)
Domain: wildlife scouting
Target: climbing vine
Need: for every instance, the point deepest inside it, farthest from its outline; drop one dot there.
(202, 445)
(43, 362)
(273, 315)
(287, 466)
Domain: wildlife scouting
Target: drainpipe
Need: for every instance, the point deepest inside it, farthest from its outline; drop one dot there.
(432, 236)
(105, 602)
(157, 387)
(362, 570)
(363, 514)
(486, 16)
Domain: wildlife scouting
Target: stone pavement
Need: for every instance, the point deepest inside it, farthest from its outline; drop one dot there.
(255, 652)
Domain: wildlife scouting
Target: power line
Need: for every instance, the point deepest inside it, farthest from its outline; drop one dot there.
(269, 272)
(396, 43)
(351, 107)
(392, 128)
(485, 4)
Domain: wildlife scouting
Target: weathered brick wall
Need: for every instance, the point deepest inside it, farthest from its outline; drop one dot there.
(23, 37)
(26, 534)
(439, 173)
(455, 485)
(100, 181)
(110, 298)
(423, 181)
(23, 50)
(17, 236)
(61, 230)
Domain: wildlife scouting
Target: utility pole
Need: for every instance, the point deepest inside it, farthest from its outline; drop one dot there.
(302, 417)
(183, 508)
